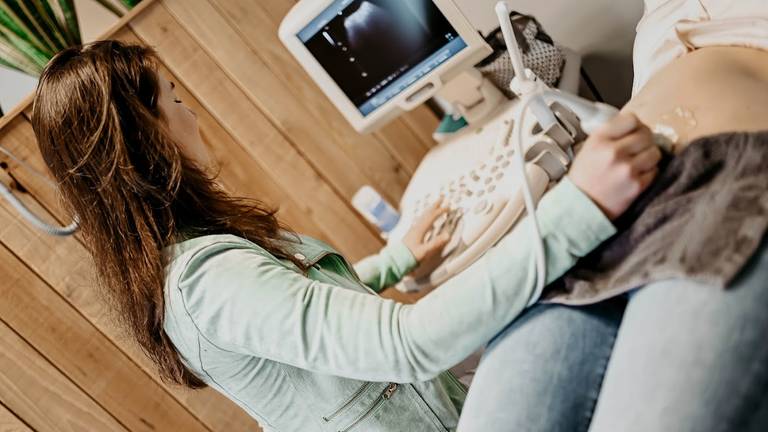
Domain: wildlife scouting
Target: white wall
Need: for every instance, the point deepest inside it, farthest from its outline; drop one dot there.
(602, 31)
(15, 86)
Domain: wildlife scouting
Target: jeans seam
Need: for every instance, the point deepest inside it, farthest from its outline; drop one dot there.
(595, 392)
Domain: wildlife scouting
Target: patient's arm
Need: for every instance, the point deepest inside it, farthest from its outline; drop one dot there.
(706, 92)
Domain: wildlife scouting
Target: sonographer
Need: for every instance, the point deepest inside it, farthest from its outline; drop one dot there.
(219, 294)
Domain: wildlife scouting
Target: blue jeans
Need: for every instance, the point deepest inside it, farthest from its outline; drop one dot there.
(675, 356)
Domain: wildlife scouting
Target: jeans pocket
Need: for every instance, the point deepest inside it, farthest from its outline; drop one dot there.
(385, 395)
(347, 403)
(383, 407)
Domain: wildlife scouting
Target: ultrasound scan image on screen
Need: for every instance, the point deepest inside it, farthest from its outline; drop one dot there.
(374, 49)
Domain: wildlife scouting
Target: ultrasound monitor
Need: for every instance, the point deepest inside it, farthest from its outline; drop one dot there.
(375, 59)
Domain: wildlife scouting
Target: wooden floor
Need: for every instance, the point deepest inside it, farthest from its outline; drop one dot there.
(64, 366)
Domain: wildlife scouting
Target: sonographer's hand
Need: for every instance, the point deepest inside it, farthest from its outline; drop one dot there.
(416, 240)
(616, 164)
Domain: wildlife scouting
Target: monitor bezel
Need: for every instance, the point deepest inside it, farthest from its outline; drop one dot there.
(422, 89)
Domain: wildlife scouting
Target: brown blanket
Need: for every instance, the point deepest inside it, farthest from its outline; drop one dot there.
(702, 219)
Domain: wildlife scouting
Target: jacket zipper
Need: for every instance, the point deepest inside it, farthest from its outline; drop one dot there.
(385, 396)
(347, 403)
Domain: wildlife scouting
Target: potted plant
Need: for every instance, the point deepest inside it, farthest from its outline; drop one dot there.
(33, 31)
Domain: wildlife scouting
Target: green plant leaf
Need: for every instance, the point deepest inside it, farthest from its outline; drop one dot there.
(11, 21)
(111, 7)
(44, 24)
(25, 48)
(130, 3)
(54, 19)
(70, 19)
(17, 59)
(8, 64)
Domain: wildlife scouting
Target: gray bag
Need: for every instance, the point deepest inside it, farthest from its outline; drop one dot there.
(540, 54)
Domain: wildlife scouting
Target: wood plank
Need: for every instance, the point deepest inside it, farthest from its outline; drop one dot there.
(345, 158)
(423, 123)
(17, 110)
(83, 354)
(400, 141)
(27, 113)
(243, 120)
(18, 138)
(11, 423)
(65, 265)
(33, 389)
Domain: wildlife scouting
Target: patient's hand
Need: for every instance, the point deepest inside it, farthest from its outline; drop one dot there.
(414, 239)
(616, 164)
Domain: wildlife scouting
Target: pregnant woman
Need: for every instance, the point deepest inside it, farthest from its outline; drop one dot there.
(664, 328)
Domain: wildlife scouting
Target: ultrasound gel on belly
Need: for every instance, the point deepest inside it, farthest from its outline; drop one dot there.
(376, 210)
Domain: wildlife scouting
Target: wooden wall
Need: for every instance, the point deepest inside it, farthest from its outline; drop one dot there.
(64, 366)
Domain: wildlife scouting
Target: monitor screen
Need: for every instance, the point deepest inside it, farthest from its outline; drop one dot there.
(375, 49)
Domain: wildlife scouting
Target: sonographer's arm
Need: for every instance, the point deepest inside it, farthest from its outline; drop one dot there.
(245, 301)
(386, 268)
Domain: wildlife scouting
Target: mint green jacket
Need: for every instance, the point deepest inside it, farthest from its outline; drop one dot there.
(322, 352)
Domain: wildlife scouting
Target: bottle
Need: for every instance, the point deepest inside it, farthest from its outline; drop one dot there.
(376, 210)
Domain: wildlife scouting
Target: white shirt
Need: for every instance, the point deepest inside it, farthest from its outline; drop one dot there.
(671, 28)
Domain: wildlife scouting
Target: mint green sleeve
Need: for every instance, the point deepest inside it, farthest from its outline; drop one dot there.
(244, 302)
(386, 268)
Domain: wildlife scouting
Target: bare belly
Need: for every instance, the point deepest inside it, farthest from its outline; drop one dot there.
(706, 92)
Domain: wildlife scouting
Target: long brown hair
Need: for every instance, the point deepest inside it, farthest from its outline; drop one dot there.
(104, 138)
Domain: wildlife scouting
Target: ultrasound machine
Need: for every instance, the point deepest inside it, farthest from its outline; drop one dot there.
(376, 59)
